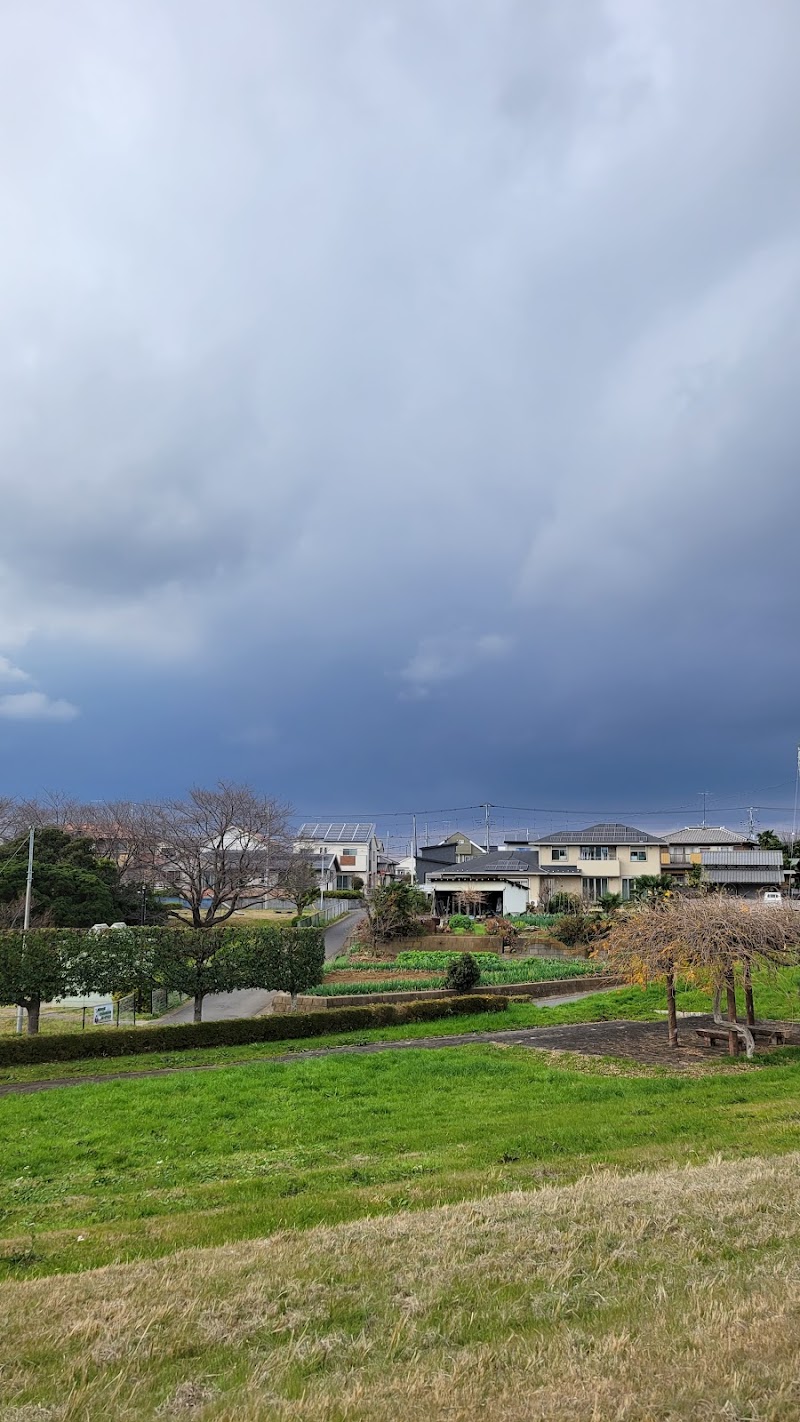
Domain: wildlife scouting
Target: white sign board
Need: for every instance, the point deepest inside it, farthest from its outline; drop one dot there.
(103, 1014)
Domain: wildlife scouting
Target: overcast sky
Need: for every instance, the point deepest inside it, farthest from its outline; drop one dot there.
(399, 400)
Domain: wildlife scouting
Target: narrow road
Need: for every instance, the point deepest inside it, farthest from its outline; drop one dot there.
(337, 935)
(254, 1002)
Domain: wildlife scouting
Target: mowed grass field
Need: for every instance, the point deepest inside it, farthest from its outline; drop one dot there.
(411, 1235)
(673, 1294)
(96, 1174)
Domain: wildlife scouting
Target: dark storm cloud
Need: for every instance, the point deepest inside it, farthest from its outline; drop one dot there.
(439, 348)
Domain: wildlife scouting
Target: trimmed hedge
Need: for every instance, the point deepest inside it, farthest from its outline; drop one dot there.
(124, 1042)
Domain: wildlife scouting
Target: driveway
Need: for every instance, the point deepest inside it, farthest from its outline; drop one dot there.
(255, 1002)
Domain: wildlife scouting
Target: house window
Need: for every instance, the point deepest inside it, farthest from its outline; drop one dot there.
(594, 888)
(343, 881)
(638, 856)
(597, 851)
(626, 889)
(558, 855)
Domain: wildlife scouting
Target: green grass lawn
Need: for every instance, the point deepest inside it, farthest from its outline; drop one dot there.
(777, 997)
(124, 1170)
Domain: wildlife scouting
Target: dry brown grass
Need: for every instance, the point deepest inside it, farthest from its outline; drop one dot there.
(670, 1295)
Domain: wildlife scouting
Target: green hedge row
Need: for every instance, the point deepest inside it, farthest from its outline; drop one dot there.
(72, 1046)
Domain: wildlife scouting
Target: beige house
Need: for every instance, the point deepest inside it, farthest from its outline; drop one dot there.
(355, 847)
(603, 858)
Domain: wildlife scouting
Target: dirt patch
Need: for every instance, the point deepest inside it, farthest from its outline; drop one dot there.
(640, 1041)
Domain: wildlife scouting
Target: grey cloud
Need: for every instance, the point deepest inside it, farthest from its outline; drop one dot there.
(402, 320)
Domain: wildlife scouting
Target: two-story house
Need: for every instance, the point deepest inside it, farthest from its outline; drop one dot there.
(355, 847)
(683, 849)
(607, 858)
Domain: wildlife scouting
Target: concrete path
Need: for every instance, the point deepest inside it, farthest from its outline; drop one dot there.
(337, 935)
(254, 1002)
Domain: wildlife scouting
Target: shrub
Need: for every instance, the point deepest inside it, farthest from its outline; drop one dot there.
(565, 903)
(574, 928)
(461, 920)
(115, 1042)
(463, 974)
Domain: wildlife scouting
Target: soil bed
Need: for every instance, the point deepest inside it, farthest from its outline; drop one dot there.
(641, 1041)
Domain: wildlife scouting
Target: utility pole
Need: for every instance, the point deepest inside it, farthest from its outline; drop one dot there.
(751, 822)
(414, 844)
(26, 922)
(704, 793)
(487, 807)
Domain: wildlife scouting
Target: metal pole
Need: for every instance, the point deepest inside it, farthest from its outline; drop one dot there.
(26, 922)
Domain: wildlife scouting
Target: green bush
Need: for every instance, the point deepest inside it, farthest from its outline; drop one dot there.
(463, 974)
(533, 920)
(76, 1046)
(461, 920)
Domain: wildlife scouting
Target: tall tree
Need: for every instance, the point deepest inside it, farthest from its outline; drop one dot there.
(73, 886)
(218, 847)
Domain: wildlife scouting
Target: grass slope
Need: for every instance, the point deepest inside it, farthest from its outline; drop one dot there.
(667, 1295)
(124, 1170)
(777, 996)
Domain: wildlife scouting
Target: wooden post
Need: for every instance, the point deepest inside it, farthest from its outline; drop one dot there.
(730, 988)
(750, 1009)
(672, 1015)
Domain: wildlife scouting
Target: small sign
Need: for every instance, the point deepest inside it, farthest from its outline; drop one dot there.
(103, 1014)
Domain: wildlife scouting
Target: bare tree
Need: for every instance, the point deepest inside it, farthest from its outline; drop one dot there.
(54, 808)
(472, 901)
(299, 881)
(217, 847)
(123, 831)
(705, 939)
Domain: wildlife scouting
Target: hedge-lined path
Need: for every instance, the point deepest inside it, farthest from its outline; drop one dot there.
(644, 1042)
(255, 1002)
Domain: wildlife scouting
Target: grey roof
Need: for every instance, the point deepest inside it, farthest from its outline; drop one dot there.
(705, 834)
(744, 876)
(343, 832)
(754, 858)
(492, 866)
(601, 834)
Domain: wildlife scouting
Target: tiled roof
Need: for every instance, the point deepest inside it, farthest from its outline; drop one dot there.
(705, 834)
(601, 834)
(342, 832)
(502, 861)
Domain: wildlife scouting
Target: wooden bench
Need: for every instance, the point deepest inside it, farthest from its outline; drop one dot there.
(773, 1036)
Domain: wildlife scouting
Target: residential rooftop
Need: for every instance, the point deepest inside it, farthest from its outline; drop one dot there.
(705, 834)
(601, 834)
(341, 832)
